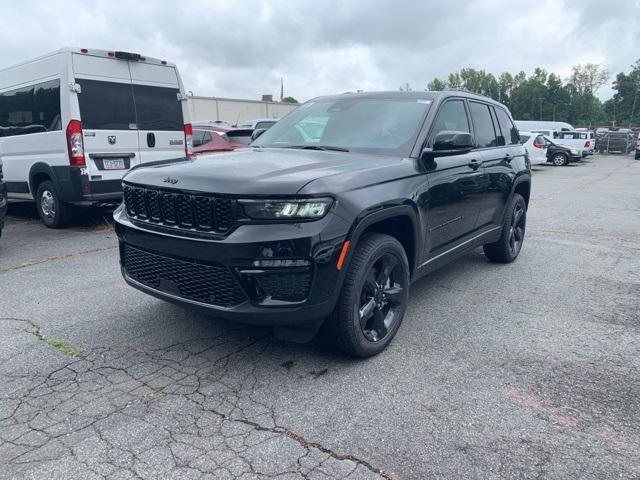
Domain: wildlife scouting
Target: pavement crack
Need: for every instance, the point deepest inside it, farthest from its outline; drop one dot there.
(52, 258)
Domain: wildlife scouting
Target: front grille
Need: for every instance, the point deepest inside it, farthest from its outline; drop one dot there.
(210, 284)
(201, 213)
(288, 287)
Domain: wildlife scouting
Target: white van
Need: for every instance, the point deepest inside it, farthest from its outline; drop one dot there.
(74, 121)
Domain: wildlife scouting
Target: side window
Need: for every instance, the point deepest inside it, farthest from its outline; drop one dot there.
(483, 129)
(206, 137)
(32, 109)
(198, 137)
(509, 131)
(524, 139)
(452, 116)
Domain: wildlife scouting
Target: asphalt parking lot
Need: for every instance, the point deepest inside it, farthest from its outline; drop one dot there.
(529, 370)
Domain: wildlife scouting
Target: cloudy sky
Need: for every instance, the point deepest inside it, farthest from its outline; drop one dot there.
(242, 48)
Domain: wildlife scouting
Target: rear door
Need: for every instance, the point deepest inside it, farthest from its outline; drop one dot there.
(160, 120)
(108, 116)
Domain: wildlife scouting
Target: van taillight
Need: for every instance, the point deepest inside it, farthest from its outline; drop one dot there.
(586, 144)
(188, 140)
(75, 143)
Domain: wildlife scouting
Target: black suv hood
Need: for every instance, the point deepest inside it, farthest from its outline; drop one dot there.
(269, 171)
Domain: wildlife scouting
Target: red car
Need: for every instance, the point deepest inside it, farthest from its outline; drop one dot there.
(208, 138)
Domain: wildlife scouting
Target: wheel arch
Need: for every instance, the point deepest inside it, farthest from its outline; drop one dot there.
(399, 221)
(39, 173)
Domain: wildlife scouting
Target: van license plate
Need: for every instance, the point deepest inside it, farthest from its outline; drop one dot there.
(113, 163)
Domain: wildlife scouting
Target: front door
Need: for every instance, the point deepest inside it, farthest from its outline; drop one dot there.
(455, 183)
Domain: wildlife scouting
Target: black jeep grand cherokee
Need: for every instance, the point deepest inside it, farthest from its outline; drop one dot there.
(330, 214)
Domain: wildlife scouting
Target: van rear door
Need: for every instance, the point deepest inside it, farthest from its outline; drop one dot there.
(160, 120)
(107, 112)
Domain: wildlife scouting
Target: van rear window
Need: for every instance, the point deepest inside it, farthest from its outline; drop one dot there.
(122, 106)
(158, 108)
(106, 105)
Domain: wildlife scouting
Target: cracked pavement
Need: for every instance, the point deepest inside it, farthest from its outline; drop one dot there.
(527, 370)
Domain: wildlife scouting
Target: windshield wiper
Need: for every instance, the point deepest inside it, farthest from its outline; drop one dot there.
(318, 147)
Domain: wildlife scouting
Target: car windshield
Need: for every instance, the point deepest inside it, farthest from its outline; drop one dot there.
(386, 126)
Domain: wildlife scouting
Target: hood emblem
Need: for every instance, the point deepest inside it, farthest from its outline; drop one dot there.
(170, 180)
(111, 139)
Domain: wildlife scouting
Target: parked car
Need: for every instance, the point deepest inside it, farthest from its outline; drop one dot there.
(561, 155)
(291, 232)
(578, 140)
(536, 146)
(637, 156)
(74, 121)
(219, 139)
(3, 199)
(258, 123)
(616, 142)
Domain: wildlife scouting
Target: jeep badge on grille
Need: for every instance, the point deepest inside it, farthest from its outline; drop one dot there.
(170, 180)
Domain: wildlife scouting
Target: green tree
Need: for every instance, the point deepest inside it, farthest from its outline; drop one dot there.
(289, 100)
(436, 85)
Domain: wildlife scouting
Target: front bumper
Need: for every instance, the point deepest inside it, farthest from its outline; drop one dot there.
(219, 276)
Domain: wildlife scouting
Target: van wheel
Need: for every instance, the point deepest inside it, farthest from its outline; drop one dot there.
(374, 297)
(560, 160)
(53, 211)
(508, 246)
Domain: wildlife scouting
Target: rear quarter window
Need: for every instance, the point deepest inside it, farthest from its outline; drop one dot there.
(32, 109)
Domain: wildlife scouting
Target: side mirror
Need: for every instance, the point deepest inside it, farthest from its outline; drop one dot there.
(257, 132)
(449, 142)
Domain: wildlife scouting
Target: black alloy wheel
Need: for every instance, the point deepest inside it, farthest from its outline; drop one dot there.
(381, 297)
(373, 298)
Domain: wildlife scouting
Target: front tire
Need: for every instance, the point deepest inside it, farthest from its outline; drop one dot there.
(508, 247)
(560, 159)
(374, 297)
(52, 210)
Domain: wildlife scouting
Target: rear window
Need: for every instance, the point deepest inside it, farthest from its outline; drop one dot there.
(158, 108)
(240, 136)
(121, 106)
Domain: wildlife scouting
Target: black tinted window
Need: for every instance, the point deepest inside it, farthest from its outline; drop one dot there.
(485, 134)
(106, 105)
(122, 106)
(158, 108)
(524, 138)
(509, 131)
(452, 116)
(31, 109)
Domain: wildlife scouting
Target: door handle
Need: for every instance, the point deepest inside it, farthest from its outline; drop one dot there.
(474, 163)
(508, 157)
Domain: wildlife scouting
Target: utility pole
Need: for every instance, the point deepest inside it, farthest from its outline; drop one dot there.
(633, 107)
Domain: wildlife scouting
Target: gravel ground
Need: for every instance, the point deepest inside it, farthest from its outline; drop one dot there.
(528, 370)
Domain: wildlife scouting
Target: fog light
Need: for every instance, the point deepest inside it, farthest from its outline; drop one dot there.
(281, 263)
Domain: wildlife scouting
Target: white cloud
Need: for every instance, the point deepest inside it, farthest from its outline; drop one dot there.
(242, 49)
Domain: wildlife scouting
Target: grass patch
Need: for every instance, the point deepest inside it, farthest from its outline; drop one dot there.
(64, 347)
